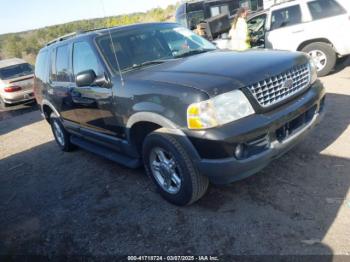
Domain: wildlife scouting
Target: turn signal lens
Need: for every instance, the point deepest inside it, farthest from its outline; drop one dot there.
(201, 115)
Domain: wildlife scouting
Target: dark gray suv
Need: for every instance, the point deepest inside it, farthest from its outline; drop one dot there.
(160, 95)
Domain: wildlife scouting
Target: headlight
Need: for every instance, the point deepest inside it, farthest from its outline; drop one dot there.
(313, 71)
(219, 110)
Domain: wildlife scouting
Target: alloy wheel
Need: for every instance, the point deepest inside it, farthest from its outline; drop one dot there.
(165, 170)
(319, 58)
(58, 133)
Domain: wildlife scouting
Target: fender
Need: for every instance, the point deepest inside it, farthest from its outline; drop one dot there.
(150, 117)
(171, 128)
(48, 103)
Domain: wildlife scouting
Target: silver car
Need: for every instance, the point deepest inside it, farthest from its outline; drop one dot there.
(16, 81)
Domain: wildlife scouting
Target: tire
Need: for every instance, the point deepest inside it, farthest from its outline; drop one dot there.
(62, 137)
(321, 50)
(190, 186)
(3, 105)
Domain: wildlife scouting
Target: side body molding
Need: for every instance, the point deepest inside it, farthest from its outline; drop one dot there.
(168, 126)
(45, 102)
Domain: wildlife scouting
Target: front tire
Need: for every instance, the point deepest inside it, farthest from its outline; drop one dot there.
(323, 55)
(62, 137)
(172, 170)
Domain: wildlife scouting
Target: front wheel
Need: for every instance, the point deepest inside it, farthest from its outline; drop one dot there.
(323, 56)
(172, 170)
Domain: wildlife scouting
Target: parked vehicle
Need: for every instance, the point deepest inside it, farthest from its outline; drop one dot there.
(16, 81)
(316, 27)
(160, 95)
(212, 19)
(191, 13)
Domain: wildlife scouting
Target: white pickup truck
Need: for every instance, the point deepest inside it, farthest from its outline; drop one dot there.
(320, 28)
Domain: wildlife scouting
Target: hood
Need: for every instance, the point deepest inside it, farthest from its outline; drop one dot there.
(222, 71)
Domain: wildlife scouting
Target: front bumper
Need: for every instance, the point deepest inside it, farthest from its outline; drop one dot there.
(230, 169)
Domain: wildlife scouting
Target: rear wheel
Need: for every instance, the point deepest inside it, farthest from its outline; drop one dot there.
(172, 170)
(323, 56)
(62, 137)
(3, 105)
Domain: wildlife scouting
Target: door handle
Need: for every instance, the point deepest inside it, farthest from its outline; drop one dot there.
(79, 99)
(298, 31)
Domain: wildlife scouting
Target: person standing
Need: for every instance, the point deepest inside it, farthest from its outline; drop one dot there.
(239, 33)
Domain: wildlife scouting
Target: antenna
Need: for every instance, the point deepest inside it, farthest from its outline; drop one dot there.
(113, 47)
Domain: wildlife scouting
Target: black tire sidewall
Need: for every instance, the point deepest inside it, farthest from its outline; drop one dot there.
(3, 105)
(184, 196)
(66, 146)
(328, 51)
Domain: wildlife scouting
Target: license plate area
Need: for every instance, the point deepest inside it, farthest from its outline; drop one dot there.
(295, 125)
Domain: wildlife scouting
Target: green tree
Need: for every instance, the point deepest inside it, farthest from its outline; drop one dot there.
(29, 43)
(13, 46)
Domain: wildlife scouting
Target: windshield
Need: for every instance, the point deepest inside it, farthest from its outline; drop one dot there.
(137, 48)
(194, 18)
(16, 71)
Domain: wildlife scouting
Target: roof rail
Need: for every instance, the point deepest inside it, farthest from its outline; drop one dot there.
(280, 2)
(70, 35)
(61, 38)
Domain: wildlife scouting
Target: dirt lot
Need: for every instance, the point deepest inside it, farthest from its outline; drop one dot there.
(78, 203)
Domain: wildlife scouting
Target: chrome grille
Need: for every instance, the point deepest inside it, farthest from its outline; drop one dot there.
(275, 89)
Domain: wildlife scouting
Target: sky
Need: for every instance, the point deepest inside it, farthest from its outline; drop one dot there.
(22, 15)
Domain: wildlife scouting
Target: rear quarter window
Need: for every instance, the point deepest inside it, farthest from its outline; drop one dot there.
(325, 8)
(41, 65)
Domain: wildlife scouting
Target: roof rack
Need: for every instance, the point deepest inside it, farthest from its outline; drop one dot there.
(277, 3)
(61, 38)
(70, 35)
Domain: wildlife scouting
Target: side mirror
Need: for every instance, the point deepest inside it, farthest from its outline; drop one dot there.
(85, 78)
(102, 81)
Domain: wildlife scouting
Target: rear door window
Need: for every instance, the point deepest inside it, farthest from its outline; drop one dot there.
(325, 8)
(286, 17)
(61, 71)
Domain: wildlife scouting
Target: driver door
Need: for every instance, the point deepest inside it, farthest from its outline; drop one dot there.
(93, 105)
(256, 27)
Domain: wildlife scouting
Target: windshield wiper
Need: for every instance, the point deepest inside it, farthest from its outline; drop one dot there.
(193, 52)
(153, 62)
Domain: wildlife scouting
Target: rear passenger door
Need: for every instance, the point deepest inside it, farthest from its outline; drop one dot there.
(93, 105)
(285, 28)
(61, 80)
(331, 21)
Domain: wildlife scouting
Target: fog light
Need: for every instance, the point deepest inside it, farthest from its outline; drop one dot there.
(239, 151)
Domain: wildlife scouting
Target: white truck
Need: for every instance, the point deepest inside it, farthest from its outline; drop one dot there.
(320, 28)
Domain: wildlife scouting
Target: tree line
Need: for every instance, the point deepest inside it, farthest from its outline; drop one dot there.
(27, 44)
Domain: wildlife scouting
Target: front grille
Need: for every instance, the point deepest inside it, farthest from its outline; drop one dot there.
(275, 89)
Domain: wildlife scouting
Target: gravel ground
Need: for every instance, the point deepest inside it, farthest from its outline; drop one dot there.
(55, 203)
